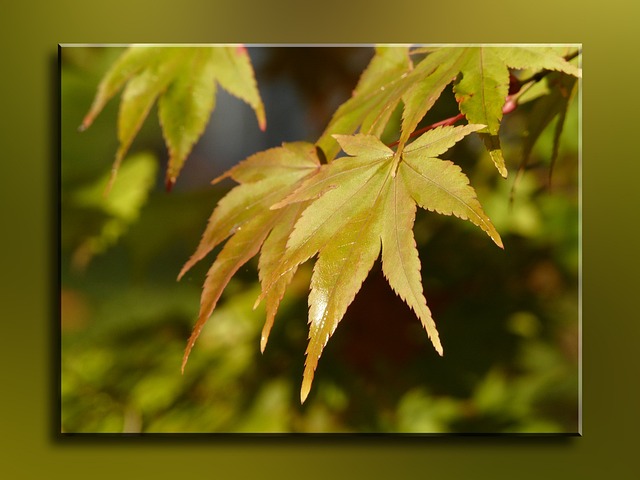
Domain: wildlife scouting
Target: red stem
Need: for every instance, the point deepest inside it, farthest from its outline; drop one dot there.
(510, 105)
(441, 123)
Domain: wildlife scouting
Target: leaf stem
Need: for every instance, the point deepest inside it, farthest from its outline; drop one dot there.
(441, 123)
(510, 104)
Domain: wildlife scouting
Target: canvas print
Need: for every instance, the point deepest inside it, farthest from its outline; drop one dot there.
(320, 239)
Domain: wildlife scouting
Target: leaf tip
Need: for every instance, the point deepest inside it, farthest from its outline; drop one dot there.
(219, 178)
(187, 266)
(258, 300)
(304, 391)
(169, 183)
(86, 121)
(438, 345)
(184, 360)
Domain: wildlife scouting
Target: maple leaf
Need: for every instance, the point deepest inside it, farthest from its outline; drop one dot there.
(377, 94)
(183, 80)
(245, 216)
(363, 204)
(481, 84)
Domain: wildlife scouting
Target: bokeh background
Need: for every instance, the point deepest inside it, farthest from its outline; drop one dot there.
(508, 319)
(30, 353)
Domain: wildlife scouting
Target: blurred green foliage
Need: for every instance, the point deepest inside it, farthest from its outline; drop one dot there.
(508, 319)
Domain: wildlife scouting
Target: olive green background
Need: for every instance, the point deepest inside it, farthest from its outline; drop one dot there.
(29, 354)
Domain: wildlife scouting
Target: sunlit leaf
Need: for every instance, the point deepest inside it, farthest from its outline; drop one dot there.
(484, 84)
(245, 216)
(429, 79)
(539, 58)
(440, 185)
(481, 94)
(240, 248)
(359, 205)
(400, 261)
(375, 97)
(139, 95)
(481, 86)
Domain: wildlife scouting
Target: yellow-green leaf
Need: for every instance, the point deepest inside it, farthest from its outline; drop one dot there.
(185, 108)
(342, 266)
(240, 248)
(440, 185)
(235, 74)
(400, 261)
(375, 97)
(482, 90)
(183, 80)
(429, 79)
(130, 63)
(249, 199)
(245, 216)
(271, 255)
(537, 58)
(358, 206)
(138, 97)
(122, 207)
(292, 158)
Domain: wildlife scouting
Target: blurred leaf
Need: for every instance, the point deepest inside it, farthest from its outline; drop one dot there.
(183, 79)
(122, 207)
(545, 109)
(419, 412)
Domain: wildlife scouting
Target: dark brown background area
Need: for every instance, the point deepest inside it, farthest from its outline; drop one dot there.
(28, 356)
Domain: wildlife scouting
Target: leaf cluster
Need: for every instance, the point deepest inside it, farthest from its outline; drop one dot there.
(183, 80)
(289, 207)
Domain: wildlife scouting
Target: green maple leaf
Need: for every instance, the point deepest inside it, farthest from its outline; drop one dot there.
(244, 217)
(389, 79)
(483, 86)
(363, 204)
(122, 208)
(183, 80)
